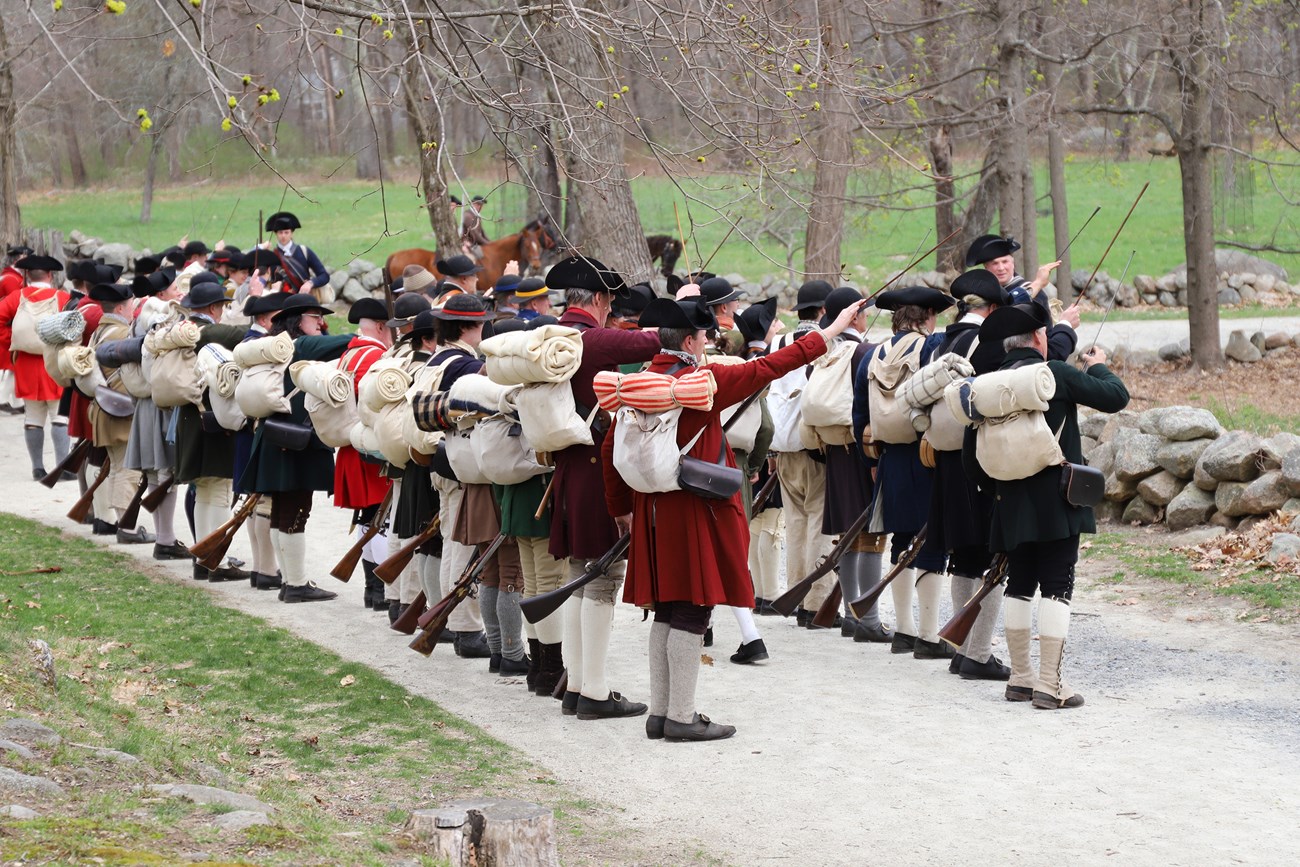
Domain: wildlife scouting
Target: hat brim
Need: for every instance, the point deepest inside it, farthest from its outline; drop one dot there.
(298, 311)
(458, 316)
(1014, 320)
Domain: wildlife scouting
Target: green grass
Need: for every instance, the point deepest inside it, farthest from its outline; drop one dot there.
(151, 667)
(1246, 416)
(347, 218)
(1262, 587)
(1179, 314)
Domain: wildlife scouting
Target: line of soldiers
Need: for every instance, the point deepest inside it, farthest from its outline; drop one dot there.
(556, 526)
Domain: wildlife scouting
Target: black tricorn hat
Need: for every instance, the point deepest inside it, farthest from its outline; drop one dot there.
(756, 319)
(919, 296)
(542, 321)
(256, 259)
(196, 248)
(1012, 320)
(462, 308)
(718, 290)
(407, 307)
(300, 303)
(225, 256)
(113, 292)
(986, 248)
(638, 296)
(204, 294)
(271, 302)
(421, 326)
(699, 278)
(836, 302)
(147, 285)
(692, 313)
(85, 270)
(18, 250)
(146, 265)
(812, 294)
(38, 263)
(981, 283)
(368, 308)
(505, 326)
(105, 273)
(282, 220)
(204, 277)
(583, 272)
(457, 266)
(173, 254)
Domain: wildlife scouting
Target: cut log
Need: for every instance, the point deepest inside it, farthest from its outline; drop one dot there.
(488, 833)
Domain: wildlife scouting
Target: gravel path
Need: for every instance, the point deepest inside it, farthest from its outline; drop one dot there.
(1186, 753)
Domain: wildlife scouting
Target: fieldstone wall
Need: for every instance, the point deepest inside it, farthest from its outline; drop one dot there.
(1177, 466)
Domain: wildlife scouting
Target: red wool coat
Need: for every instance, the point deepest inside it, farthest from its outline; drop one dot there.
(78, 420)
(687, 548)
(358, 483)
(31, 382)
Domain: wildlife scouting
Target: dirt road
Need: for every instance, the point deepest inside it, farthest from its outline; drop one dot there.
(1187, 752)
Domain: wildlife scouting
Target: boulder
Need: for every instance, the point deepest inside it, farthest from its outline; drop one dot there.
(1079, 278)
(1265, 282)
(1265, 495)
(752, 290)
(14, 783)
(1166, 283)
(1240, 262)
(1120, 490)
(1135, 455)
(1233, 457)
(1126, 296)
(1145, 284)
(1257, 339)
(1091, 425)
(1291, 472)
(372, 279)
(1292, 507)
(1281, 350)
(1285, 545)
(338, 277)
(1167, 299)
(1202, 479)
(211, 795)
(1175, 351)
(1277, 340)
(1191, 507)
(1179, 458)
(1160, 489)
(1149, 420)
(16, 749)
(1139, 511)
(115, 254)
(1230, 499)
(1229, 297)
(1125, 418)
(18, 811)
(1108, 511)
(1240, 348)
(238, 820)
(1103, 458)
(1137, 358)
(1274, 449)
(353, 291)
(1248, 294)
(1219, 519)
(29, 732)
(1184, 423)
(1087, 445)
(357, 267)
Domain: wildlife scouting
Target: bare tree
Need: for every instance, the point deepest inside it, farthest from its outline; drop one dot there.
(11, 223)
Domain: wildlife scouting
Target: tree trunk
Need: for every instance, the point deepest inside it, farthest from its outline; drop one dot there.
(75, 162)
(832, 149)
(949, 255)
(11, 223)
(592, 145)
(573, 228)
(1056, 184)
(150, 175)
(173, 136)
(423, 113)
(1010, 137)
(331, 118)
(1195, 83)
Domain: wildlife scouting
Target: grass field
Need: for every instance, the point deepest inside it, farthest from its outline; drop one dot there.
(153, 668)
(346, 218)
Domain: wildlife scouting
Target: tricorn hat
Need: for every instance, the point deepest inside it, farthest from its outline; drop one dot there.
(986, 248)
(368, 308)
(1012, 320)
(148, 285)
(981, 283)
(34, 262)
(270, 302)
(918, 296)
(147, 265)
(282, 220)
(690, 313)
(756, 319)
(203, 294)
(14, 250)
(462, 308)
(113, 292)
(837, 302)
(196, 248)
(457, 266)
(256, 259)
(718, 290)
(173, 254)
(84, 270)
(812, 294)
(639, 295)
(583, 272)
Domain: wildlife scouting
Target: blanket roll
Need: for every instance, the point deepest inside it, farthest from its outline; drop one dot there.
(655, 392)
(480, 394)
(265, 350)
(386, 382)
(322, 380)
(180, 335)
(549, 416)
(551, 353)
(1003, 392)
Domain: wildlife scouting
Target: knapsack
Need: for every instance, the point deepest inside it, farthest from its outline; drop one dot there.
(1013, 441)
(25, 338)
(889, 368)
(784, 397)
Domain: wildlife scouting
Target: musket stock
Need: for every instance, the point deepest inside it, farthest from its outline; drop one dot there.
(154, 499)
(460, 589)
(345, 567)
(956, 630)
(395, 565)
(863, 603)
(825, 617)
(81, 508)
(406, 623)
(211, 549)
(75, 460)
(540, 607)
(787, 602)
(131, 515)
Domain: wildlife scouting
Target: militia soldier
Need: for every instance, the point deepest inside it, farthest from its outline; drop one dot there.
(302, 269)
(1031, 520)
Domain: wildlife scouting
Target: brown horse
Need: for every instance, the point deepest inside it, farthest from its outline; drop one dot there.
(523, 247)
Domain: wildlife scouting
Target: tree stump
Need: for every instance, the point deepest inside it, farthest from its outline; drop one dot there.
(488, 833)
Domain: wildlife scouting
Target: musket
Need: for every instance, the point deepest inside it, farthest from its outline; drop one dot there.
(825, 616)
(1094, 213)
(788, 601)
(863, 603)
(685, 254)
(539, 607)
(1115, 238)
(716, 249)
(764, 494)
(474, 568)
(344, 568)
(81, 508)
(395, 565)
(1111, 305)
(72, 463)
(211, 549)
(913, 263)
(546, 498)
(406, 623)
(154, 499)
(127, 520)
(958, 628)
(434, 621)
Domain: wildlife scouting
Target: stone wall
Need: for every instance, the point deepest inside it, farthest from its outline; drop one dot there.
(1178, 466)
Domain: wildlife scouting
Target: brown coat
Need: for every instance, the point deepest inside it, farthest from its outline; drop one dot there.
(107, 430)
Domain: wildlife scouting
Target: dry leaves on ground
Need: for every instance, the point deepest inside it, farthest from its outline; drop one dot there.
(1237, 554)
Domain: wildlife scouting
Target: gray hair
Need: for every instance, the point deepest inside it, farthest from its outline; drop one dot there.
(1022, 341)
(976, 302)
(579, 297)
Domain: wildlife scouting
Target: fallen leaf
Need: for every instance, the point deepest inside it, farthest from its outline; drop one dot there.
(1132, 600)
(33, 604)
(706, 659)
(182, 665)
(347, 681)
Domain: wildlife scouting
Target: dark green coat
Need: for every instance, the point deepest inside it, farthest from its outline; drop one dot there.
(1032, 509)
(200, 454)
(271, 469)
(518, 505)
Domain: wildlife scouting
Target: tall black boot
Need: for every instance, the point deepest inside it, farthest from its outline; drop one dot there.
(534, 663)
(372, 583)
(552, 668)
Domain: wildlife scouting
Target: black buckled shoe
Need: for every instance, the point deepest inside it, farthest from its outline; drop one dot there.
(877, 634)
(229, 573)
(750, 652)
(308, 592)
(103, 528)
(932, 649)
(200, 572)
(611, 708)
(699, 729)
(848, 626)
(802, 617)
(494, 662)
(472, 645)
(175, 551)
(954, 667)
(902, 643)
(569, 704)
(708, 637)
(514, 667)
(138, 536)
(654, 727)
(267, 582)
(991, 669)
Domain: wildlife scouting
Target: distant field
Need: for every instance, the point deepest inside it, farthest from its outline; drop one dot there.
(343, 219)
